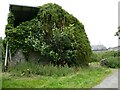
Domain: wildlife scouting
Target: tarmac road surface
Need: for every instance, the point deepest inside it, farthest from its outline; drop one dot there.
(111, 81)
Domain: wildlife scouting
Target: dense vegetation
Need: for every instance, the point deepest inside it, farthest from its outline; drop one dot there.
(35, 75)
(31, 75)
(32, 69)
(61, 38)
(54, 33)
(2, 50)
(108, 58)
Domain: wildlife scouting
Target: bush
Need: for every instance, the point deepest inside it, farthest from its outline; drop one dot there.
(104, 62)
(108, 58)
(96, 57)
(108, 54)
(111, 62)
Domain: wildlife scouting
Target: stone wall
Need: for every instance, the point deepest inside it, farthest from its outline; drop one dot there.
(18, 57)
(33, 57)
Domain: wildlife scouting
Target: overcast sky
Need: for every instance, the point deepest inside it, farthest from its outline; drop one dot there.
(100, 17)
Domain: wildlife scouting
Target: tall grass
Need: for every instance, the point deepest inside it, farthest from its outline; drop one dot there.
(29, 69)
(84, 78)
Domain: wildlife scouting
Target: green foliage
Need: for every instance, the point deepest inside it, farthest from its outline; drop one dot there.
(10, 20)
(112, 62)
(96, 57)
(2, 49)
(54, 33)
(108, 54)
(109, 58)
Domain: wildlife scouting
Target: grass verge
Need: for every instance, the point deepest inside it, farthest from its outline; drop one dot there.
(84, 78)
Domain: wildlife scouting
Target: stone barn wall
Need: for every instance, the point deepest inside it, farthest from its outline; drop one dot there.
(18, 57)
(33, 57)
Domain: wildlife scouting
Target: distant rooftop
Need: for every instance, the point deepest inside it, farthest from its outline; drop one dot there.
(117, 48)
(98, 47)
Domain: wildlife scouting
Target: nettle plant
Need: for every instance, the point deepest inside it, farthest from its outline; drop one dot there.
(54, 33)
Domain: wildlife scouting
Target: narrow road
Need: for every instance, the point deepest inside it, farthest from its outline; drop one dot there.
(110, 82)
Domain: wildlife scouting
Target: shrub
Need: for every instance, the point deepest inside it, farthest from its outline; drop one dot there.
(108, 54)
(104, 62)
(96, 57)
(111, 62)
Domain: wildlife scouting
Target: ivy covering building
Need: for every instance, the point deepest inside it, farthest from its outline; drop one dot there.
(51, 31)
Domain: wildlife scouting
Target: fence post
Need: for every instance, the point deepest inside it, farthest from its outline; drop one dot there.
(6, 57)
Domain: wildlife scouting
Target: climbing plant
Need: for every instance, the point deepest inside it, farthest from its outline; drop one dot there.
(54, 33)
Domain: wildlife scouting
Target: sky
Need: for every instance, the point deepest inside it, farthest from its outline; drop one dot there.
(99, 17)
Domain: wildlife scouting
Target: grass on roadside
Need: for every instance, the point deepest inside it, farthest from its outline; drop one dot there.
(29, 69)
(83, 78)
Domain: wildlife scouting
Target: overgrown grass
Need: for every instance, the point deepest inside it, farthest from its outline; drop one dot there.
(31, 75)
(73, 78)
(31, 69)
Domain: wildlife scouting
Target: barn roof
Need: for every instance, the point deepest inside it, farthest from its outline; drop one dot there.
(23, 13)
